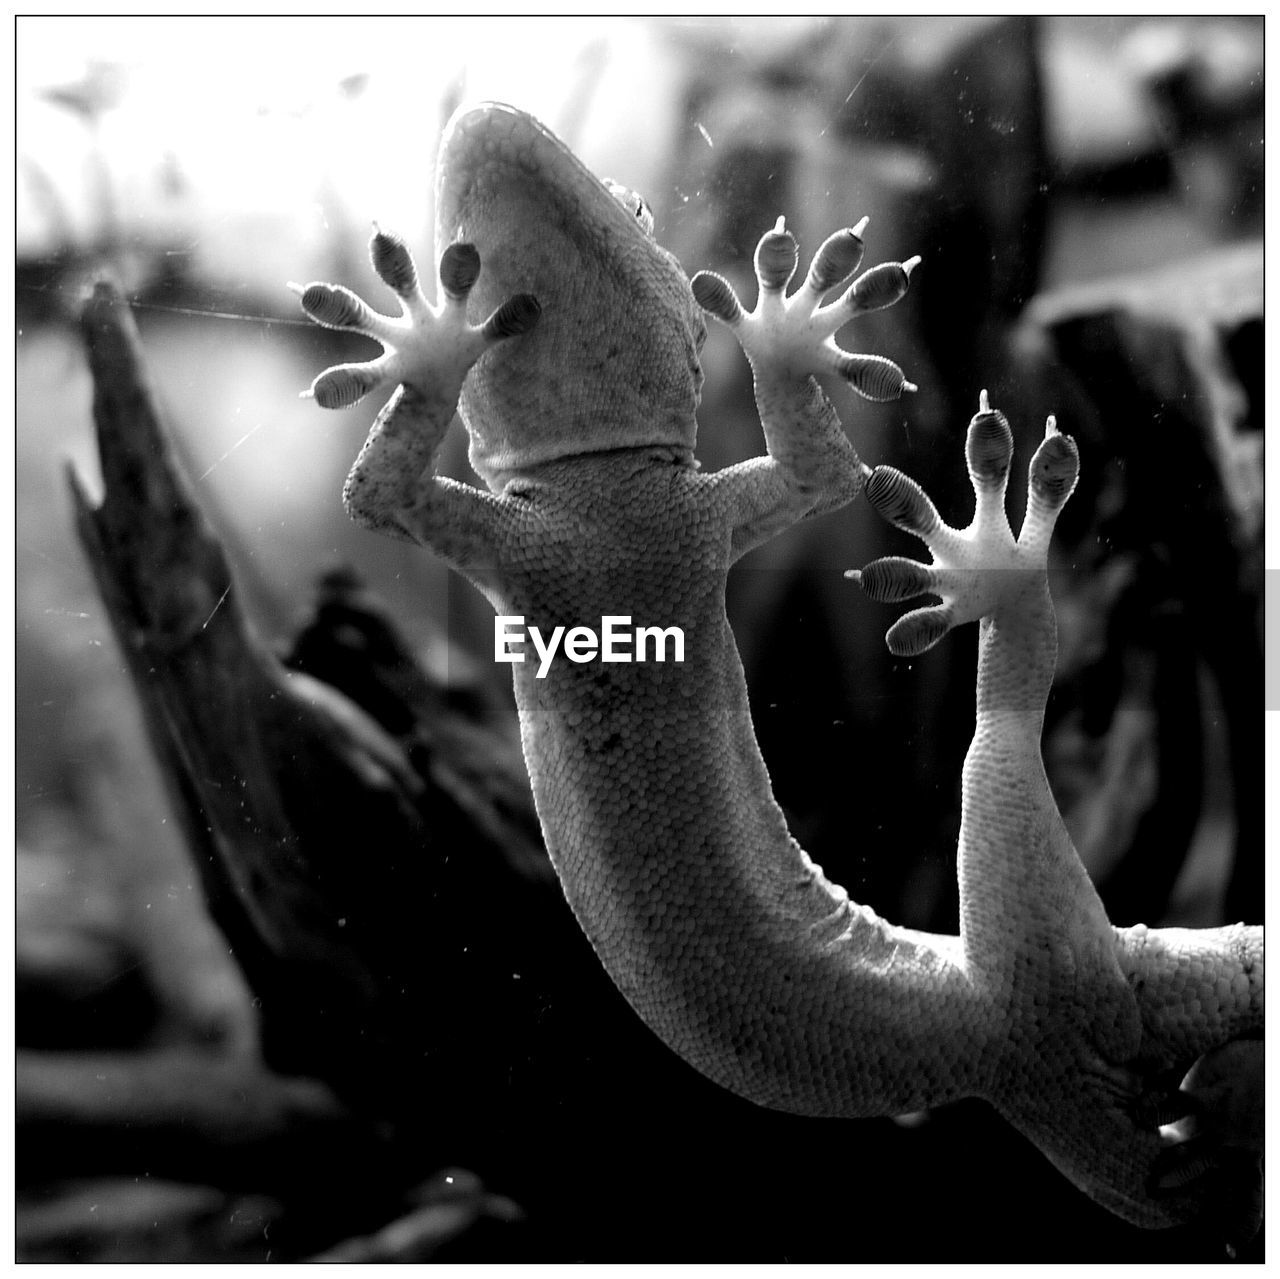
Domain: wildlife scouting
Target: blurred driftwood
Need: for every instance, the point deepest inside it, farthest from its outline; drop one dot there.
(323, 837)
(452, 1206)
(1154, 733)
(79, 980)
(183, 1115)
(137, 1220)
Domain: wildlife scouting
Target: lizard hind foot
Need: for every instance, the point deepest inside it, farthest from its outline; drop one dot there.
(978, 569)
(1214, 1144)
(796, 335)
(428, 347)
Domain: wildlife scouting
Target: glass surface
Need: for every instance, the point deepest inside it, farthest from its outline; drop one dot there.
(1086, 195)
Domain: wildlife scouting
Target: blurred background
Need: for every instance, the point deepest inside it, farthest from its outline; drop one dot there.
(1086, 194)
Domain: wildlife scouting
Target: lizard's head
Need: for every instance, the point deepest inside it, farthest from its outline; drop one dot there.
(613, 360)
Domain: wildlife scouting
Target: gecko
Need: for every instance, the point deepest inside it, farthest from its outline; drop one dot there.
(568, 341)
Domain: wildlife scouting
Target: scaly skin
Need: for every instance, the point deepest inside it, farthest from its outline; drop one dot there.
(579, 395)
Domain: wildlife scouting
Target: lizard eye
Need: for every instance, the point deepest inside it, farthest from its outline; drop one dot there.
(633, 203)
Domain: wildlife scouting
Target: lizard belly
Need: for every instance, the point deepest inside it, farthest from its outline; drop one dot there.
(717, 927)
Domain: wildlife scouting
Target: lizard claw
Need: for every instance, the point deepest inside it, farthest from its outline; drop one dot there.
(974, 570)
(1163, 1108)
(1227, 1181)
(1215, 1148)
(428, 347)
(796, 334)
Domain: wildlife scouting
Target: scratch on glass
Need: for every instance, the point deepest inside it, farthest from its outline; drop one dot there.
(888, 44)
(216, 607)
(232, 449)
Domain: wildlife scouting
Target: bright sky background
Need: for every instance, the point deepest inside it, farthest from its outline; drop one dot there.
(253, 116)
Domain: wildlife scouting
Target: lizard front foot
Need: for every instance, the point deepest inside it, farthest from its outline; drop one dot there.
(428, 350)
(979, 570)
(428, 347)
(796, 335)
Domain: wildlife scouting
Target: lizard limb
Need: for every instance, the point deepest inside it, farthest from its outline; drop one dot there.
(1090, 1065)
(428, 350)
(812, 467)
